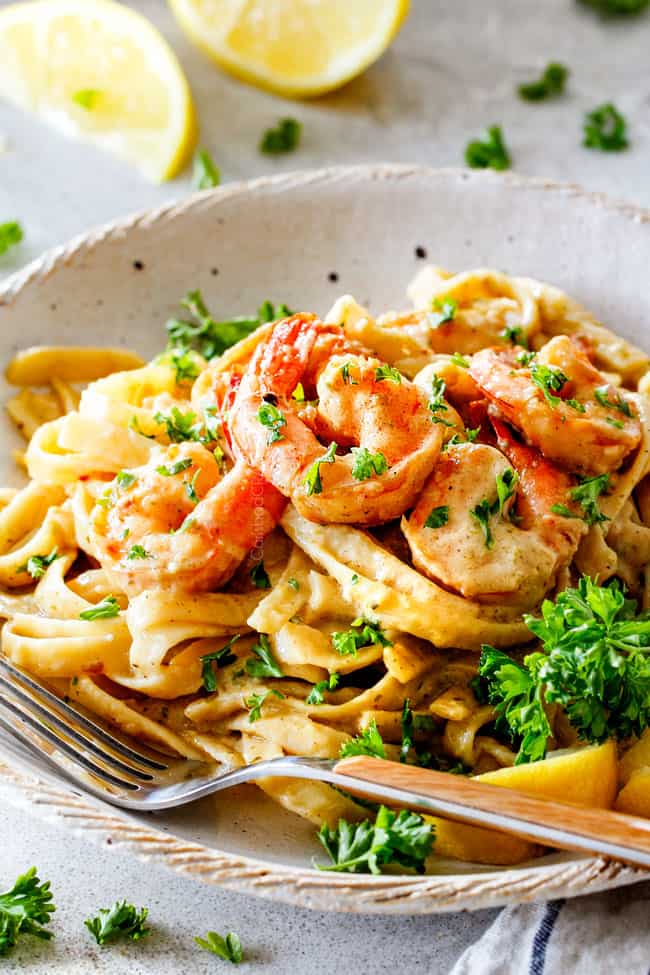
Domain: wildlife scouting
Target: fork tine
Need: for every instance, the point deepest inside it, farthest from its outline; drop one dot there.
(47, 740)
(69, 716)
(29, 705)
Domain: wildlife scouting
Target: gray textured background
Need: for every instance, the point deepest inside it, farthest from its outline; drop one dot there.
(450, 72)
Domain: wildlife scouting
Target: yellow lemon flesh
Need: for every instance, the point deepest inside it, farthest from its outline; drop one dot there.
(634, 797)
(584, 776)
(297, 48)
(99, 71)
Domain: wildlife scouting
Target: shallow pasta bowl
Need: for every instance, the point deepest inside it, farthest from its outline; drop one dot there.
(305, 239)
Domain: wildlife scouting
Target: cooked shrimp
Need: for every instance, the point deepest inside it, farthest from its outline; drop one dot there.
(178, 522)
(484, 527)
(561, 403)
(365, 408)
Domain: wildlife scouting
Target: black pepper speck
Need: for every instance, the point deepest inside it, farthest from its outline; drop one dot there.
(333, 277)
(138, 265)
(420, 252)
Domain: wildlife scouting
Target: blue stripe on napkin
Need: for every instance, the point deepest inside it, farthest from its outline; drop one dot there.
(542, 937)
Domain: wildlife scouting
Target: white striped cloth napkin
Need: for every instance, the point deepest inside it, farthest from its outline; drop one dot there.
(604, 934)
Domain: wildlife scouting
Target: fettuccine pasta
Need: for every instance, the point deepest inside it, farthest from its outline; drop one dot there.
(271, 550)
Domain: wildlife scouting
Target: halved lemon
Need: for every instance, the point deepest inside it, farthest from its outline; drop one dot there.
(297, 48)
(101, 72)
(584, 776)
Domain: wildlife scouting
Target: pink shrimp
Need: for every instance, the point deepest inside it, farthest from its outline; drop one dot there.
(363, 407)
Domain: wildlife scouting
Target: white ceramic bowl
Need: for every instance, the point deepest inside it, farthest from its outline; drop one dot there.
(305, 239)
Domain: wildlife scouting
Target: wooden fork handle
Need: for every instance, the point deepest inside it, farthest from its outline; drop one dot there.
(556, 824)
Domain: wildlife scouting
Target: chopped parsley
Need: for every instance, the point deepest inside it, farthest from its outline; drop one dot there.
(605, 129)
(506, 484)
(228, 948)
(87, 98)
(482, 513)
(550, 85)
(293, 583)
(460, 360)
(106, 610)
(345, 373)
(601, 395)
(255, 702)
(190, 488)
(317, 693)
(11, 234)
(443, 310)
(387, 372)
(369, 742)
(362, 633)
(25, 909)
(594, 663)
(37, 564)
(205, 174)
(264, 664)
(525, 358)
(285, 137)
(437, 517)
(551, 380)
(367, 465)
(273, 419)
(312, 481)
(138, 552)
(506, 487)
(514, 334)
(259, 576)
(125, 480)
(211, 662)
(209, 337)
(586, 494)
(122, 920)
(403, 838)
(176, 468)
(184, 363)
(180, 426)
(492, 153)
(614, 8)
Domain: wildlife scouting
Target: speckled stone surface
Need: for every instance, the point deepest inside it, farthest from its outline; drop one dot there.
(451, 72)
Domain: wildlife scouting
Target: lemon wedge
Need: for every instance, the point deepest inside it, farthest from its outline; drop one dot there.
(584, 776)
(297, 48)
(101, 72)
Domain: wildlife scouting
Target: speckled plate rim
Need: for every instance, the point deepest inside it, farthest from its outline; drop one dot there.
(50, 799)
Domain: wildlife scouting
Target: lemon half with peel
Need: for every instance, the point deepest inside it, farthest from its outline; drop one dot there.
(297, 48)
(99, 71)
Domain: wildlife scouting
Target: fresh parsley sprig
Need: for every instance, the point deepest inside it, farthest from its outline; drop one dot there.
(367, 465)
(122, 920)
(274, 420)
(369, 742)
(107, 609)
(491, 153)
(594, 663)
(317, 693)
(211, 662)
(25, 909)
(403, 839)
(586, 494)
(229, 947)
(313, 483)
(362, 633)
(264, 663)
(550, 85)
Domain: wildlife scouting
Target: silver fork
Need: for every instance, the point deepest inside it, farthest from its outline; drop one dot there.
(128, 774)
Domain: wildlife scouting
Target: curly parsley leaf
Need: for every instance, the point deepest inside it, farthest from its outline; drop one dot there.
(205, 174)
(594, 663)
(11, 234)
(317, 693)
(491, 153)
(369, 742)
(211, 662)
(122, 920)
(605, 129)
(273, 419)
(285, 137)
(255, 702)
(362, 634)
(443, 310)
(601, 395)
(437, 517)
(106, 610)
(228, 948)
(24, 910)
(586, 494)
(264, 664)
(403, 839)
(550, 85)
(312, 481)
(367, 465)
(37, 564)
(387, 372)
